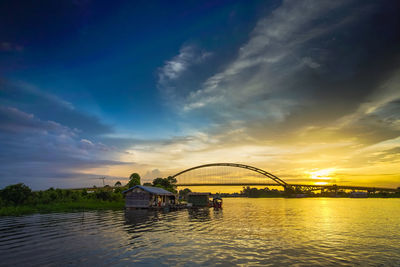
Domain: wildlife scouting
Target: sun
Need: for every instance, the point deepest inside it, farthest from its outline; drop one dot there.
(324, 174)
(321, 183)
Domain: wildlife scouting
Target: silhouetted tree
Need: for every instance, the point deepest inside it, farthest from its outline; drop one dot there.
(16, 194)
(254, 192)
(166, 183)
(184, 193)
(103, 194)
(134, 179)
(118, 190)
(118, 183)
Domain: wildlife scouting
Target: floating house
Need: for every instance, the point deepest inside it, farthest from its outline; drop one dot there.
(139, 196)
(199, 199)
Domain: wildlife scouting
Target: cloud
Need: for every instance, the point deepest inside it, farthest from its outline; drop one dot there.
(15, 121)
(176, 74)
(270, 65)
(311, 63)
(309, 89)
(50, 107)
(297, 70)
(315, 86)
(188, 55)
(33, 149)
(151, 175)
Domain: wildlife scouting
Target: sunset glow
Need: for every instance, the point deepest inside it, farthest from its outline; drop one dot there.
(200, 133)
(320, 183)
(90, 91)
(325, 174)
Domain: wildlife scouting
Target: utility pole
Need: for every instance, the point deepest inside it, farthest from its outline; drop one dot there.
(103, 178)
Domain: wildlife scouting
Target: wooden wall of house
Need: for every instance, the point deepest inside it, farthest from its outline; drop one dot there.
(137, 199)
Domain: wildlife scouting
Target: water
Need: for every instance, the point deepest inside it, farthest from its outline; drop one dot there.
(268, 232)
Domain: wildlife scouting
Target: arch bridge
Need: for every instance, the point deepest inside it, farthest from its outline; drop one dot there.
(270, 180)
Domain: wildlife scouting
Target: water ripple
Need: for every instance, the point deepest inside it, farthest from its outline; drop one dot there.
(267, 232)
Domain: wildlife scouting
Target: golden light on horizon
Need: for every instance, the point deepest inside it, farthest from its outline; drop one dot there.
(321, 183)
(325, 175)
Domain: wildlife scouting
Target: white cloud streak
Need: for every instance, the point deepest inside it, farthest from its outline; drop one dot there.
(267, 60)
(174, 68)
(283, 102)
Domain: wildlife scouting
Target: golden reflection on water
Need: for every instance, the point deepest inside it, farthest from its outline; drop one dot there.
(275, 232)
(314, 230)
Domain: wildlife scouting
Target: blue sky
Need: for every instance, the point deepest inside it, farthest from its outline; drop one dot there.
(105, 58)
(93, 88)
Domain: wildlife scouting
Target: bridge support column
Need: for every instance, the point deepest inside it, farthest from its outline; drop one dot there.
(288, 190)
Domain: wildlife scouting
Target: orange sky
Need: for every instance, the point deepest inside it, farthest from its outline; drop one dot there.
(344, 163)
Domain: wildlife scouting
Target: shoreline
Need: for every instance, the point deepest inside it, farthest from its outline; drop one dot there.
(61, 207)
(91, 205)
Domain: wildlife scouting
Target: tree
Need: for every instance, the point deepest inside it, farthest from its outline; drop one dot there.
(103, 195)
(184, 193)
(134, 179)
(148, 184)
(16, 194)
(254, 192)
(118, 184)
(166, 183)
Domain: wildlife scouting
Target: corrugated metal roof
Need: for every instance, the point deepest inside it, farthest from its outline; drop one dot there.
(150, 189)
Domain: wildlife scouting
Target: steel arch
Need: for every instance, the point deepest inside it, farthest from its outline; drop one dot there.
(243, 166)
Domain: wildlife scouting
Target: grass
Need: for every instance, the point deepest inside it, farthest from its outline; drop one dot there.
(89, 204)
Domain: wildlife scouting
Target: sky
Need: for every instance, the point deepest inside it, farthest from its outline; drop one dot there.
(306, 90)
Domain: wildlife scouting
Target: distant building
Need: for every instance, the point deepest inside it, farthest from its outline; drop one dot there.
(148, 197)
(199, 199)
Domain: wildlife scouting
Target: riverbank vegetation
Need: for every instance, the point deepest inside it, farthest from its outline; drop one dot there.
(19, 199)
(263, 192)
(266, 192)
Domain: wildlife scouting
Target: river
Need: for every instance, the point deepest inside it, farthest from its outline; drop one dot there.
(267, 232)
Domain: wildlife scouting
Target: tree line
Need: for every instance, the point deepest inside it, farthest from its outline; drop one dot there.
(168, 183)
(263, 192)
(20, 194)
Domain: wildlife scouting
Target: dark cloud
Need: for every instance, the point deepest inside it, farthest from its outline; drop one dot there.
(124, 143)
(310, 71)
(49, 107)
(15, 121)
(34, 149)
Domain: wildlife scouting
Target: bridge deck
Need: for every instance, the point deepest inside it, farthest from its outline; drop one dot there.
(316, 187)
(278, 181)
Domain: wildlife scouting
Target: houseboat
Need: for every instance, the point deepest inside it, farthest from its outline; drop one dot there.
(199, 200)
(148, 197)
